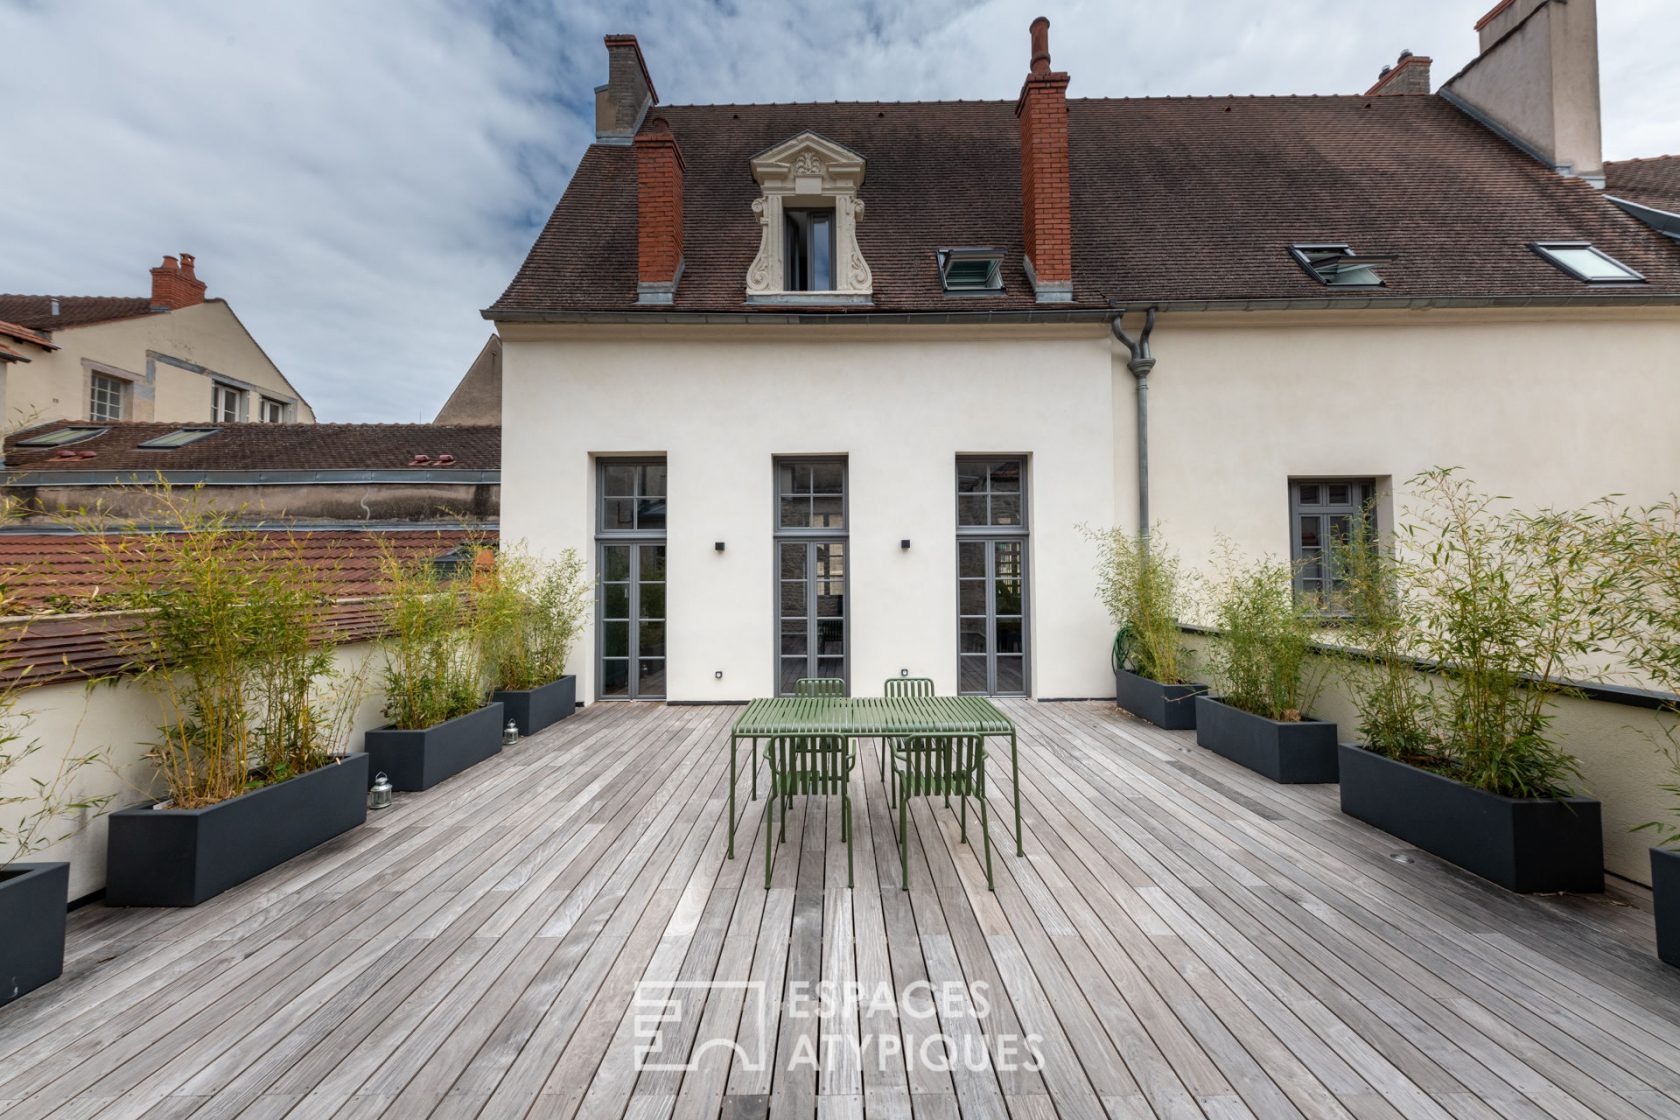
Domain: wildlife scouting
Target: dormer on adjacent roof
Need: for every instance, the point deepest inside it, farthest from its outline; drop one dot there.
(808, 213)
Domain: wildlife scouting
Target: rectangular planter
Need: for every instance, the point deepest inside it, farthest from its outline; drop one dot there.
(1665, 899)
(1293, 753)
(33, 900)
(1526, 845)
(1168, 706)
(181, 857)
(420, 759)
(532, 709)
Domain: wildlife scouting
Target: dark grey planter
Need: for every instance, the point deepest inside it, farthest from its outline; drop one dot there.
(33, 900)
(1526, 844)
(416, 760)
(1293, 753)
(532, 709)
(181, 857)
(1665, 900)
(1168, 706)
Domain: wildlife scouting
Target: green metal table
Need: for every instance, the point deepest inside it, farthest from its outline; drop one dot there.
(870, 717)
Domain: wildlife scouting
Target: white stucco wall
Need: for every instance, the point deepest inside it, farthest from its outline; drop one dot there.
(722, 403)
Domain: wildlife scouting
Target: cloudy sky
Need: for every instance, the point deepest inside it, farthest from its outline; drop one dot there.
(359, 178)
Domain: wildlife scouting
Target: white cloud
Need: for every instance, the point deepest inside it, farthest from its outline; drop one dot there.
(359, 179)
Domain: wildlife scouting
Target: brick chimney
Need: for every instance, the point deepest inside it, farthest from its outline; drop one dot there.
(1409, 75)
(1046, 224)
(1535, 82)
(621, 104)
(175, 285)
(659, 213)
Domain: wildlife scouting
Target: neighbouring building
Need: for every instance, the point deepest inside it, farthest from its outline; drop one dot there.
(171, 356)
(830, 389)
(477, 398)
(1649, 189)
(349, 474)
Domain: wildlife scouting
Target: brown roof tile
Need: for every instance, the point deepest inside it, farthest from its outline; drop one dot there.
(1653, 182)
(273, 447)
(24, 334)
(73, 311)
(1173, 199)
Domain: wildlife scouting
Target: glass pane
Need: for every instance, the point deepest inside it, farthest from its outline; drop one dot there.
(651, 680)
(831, 600)
(831, 636)
(828, 513)
(618, 480)
(615, 678)
(1011, 676)
(651, 602)
(831, 560)
(618, 513)
(1008, 597)
(971, 636)
(792, 669)
(1341, 528)
(828, 478)
(615, 562)
(1006, 509)
(794, 645)
(971, 559)
(793, 597)
(653, 562)
(650, 513)
(793, 561)
(794, 627)
(831, 666)
(1310, 525)
(971, 509)
(651, 635)
(615, 639)
(1337, 494)
(795, 513)
(653, 480)
(1309, 493)
(822, 252)
(1008, 559)
(971, 477)
(971, 596)
(973, 674)
(1006, 476)
(1009, 635)
(615, 600)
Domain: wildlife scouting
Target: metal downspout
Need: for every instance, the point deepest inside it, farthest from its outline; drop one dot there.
(1140, 364)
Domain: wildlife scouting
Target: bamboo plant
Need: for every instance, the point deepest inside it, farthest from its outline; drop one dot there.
(1140, 582)
(1264, 650)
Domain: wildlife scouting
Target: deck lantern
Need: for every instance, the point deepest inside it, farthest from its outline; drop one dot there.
(379, 795)
(510, 734)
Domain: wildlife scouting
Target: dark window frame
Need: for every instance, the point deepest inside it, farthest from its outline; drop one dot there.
(1362, 502)
(988, 536)
(808, 535)
(632, 539)
(797, 241)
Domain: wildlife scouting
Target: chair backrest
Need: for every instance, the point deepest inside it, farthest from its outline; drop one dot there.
(819, 686)
(938, 763)
(907, 687)
(810, 763)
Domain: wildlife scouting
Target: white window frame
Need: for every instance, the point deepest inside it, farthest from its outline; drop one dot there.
(263, 409)
(95, 379)
(218, 391)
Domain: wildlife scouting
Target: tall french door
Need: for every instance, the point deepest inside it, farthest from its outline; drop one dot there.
(630, 563)
(811, 571)
(991, 577)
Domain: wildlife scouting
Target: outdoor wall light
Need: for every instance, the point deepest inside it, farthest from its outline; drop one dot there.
(718, 546)
(904, 544)
(717, 675)
(904, 672)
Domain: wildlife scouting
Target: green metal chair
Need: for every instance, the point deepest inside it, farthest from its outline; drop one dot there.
(819, 686)
(894, 688)
(923, 766)
(806, 765)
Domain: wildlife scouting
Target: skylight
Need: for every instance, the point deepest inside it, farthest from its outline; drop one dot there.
(1339, 266)
(1582, 261)
(180, 437)
(58, 437)
(971, 270)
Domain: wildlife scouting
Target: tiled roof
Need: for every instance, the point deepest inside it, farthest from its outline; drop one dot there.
(73, 311)
(24, 334)
(1173, 199)
(71, 573)
(1653, 182)
(268, 447)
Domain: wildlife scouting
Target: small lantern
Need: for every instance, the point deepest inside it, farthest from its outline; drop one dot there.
(379, 796)
(510, 734)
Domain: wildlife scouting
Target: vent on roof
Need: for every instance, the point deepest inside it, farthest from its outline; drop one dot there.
(971, 270)
(58, 437)
(1582, 261)
(180, 437)
(1338, 266)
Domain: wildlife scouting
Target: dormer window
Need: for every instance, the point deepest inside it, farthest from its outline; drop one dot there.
(1338, 266)
(808, 213)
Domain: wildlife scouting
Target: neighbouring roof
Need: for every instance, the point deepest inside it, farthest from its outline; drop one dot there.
(73, 311)
(261, 447)
(1653, 182)
(25, 334)
(1173, 199)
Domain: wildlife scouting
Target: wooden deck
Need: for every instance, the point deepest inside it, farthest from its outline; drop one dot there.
(1182, 939)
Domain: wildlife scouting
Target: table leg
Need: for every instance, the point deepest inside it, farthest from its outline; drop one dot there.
(732, 797)
(1015, 784)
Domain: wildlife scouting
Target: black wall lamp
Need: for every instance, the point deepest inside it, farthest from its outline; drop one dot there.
(905, 544)
(718, 546)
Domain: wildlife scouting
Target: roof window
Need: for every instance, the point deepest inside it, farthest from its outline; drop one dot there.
(1338, 266)
(180, 437)
(1582, 261)
(58, 437)
(971, 270)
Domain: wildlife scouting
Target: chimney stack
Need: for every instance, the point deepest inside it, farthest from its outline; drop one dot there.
(175, 285)
(659, 213)
(1536, 82)
(1046, 208)
(621, 104)
(1409, 75)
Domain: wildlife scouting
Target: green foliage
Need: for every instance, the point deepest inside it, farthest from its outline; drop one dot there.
(1263, 653)
(434, 667)
(527, 613)
(1139, 581)
(1392, 697)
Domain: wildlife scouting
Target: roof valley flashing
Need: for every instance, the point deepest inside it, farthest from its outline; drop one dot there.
(1217, 190)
